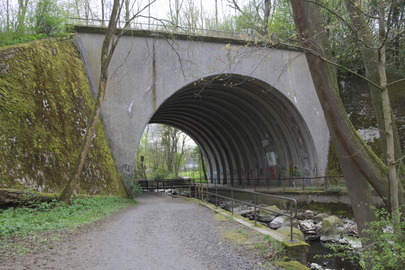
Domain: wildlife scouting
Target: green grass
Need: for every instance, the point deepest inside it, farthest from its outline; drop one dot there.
(31, 219)
(241, 231)
(8, 40)
(193, 174)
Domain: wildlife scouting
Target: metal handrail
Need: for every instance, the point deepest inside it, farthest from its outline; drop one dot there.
(168, 27)
(268, 180)
(291, 216)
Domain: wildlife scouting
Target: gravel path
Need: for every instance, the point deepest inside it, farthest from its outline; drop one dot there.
(161, 232)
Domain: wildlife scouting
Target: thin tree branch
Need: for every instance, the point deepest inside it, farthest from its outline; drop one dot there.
(339, 66)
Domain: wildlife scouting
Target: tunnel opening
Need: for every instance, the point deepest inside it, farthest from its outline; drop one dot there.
(246, 129)
(165, 153)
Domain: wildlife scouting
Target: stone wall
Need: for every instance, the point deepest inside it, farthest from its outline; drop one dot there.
(45, 103)
(356, 98)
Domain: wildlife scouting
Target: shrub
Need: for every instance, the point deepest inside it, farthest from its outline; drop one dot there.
(48, 17)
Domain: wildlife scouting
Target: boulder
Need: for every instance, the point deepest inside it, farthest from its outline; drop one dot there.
(330, 225)
(297, 234)
(278, 222)
(318, 218)
(315, 266)
(265, 218)
(228, 206)
(307, 225)
(288, 222)
(270, 213)
(300, 216)
(241, 211)
(309, 214)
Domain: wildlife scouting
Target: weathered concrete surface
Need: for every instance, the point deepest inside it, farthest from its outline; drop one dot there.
(237, 102)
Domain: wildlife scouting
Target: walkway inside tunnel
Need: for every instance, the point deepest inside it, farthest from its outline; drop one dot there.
(245, 128)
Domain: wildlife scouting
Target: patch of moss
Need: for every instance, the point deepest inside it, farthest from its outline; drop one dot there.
(45, 103)
(219, 217)
(237, 237)
(333, 167)
(292, 265)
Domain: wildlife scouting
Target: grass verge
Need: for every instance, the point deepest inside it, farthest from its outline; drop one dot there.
(37, 225)
(260, 246)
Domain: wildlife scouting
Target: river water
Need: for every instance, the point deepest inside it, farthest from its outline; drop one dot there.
(334, 263)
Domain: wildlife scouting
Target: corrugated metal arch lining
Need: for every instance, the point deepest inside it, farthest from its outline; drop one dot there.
(230, 116)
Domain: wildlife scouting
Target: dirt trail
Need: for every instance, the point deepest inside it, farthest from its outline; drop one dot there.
(161, 232)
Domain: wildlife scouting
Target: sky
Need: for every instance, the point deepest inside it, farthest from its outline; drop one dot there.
(160, 8)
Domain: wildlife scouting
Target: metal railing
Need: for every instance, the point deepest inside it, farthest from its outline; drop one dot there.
(254, 205)
(169, 28)
(199, 194)
(164, 184)
(293, 181)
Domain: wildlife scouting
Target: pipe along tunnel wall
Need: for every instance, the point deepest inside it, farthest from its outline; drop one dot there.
(252, 110)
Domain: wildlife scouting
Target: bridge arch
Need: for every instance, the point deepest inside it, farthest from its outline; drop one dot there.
(237, 123)
(255, 94)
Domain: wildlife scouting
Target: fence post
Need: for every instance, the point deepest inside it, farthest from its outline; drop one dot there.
(291, 220)
(284, 184)
(254, 202)
(216, 196)
(189, 188)
(232, 200)
(254, 185)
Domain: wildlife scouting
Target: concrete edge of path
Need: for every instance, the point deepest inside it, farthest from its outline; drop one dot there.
(291, 248)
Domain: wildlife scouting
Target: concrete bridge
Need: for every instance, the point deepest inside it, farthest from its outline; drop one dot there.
(252, 110)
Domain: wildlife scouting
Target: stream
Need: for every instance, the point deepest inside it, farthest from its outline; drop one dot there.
(334, 263)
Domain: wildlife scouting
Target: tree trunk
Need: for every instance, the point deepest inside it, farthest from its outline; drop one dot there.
(356, 161)
(388, 121)
(371, 64)
(102, 12)
(267, 8)
(19, 196)
(105, 61)
(309, 21)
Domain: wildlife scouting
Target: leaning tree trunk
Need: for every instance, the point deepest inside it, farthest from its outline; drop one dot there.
(308, 19)
(358, 165)
(106, 56)
(371, 60)
(374, 55)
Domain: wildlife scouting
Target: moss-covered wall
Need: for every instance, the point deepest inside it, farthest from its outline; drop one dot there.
(356, 98)
(45, 103)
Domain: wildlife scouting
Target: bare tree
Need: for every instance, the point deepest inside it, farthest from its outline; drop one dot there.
(107, 51)
(360, 167)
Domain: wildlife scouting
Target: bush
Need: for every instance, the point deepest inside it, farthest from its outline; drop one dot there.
(133, 185)
(387, 250)
(48, 17)
(335, 190)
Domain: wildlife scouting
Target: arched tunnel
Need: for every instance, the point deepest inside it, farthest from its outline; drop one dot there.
(245, 128)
